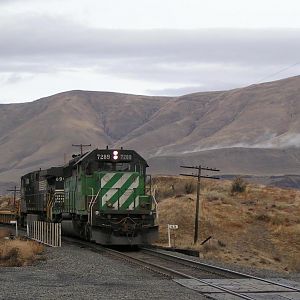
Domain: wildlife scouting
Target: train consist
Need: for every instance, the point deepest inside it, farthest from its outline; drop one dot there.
(102, 196)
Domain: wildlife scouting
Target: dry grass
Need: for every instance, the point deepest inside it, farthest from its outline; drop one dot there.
(17, 253)
(259, 227)
(6, 203)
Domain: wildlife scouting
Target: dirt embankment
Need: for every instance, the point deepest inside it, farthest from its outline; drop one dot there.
(259, 226)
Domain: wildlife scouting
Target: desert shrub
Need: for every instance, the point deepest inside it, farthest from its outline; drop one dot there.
(167, 187)
(214, 195)
(164, 192)
(277, 258)
(238, 185)
(189, 187)
(18, 252)
(221, 243)
(279, 220)
(263, 217)
(263, 261)
(210, 246)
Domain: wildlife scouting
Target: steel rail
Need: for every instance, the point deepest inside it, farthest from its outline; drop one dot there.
(218, 271)
(231, 292)
(224, 270)
(172, 271)
(154, 266)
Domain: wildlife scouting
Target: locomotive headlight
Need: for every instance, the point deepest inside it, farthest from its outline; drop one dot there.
(115, 155)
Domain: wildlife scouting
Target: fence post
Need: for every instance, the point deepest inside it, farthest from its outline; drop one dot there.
(48, 233)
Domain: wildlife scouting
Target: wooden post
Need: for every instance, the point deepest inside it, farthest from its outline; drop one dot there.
(198, 176)
(197, 207)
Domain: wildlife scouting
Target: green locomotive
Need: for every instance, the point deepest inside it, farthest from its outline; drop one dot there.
(108, 198)
(102, 196)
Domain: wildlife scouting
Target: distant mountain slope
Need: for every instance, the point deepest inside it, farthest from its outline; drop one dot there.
(39, 133)
(253, 130)
(264, 115)
(242, 161)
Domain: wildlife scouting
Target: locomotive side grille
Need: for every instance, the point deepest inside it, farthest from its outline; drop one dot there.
(42, 185)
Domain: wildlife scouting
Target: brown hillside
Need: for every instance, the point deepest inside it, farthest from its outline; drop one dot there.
(254, 118)
(258, 227)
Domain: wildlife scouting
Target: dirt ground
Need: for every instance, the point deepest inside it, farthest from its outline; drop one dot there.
(258, 227)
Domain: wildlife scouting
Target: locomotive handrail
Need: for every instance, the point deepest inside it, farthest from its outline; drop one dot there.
(91, 205)
(156, 203)
(148, 186)
(50, 198)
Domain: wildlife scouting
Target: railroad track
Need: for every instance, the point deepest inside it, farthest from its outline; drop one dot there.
(212, 281)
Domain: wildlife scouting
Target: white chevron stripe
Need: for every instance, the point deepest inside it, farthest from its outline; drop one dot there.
(114, 189)
(106, 178)
(108, 195)
(129, 192)
(137, 202)
(122, 180)
(125, 196)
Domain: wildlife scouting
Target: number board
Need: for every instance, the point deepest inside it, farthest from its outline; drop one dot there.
(125, 156)
(104, 156)
(110, 156)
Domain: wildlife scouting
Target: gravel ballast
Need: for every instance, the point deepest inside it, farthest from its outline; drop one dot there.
(71, 272)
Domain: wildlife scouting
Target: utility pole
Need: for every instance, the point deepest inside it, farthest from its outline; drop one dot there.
(198, 176)
(81, 147)
(15, 190)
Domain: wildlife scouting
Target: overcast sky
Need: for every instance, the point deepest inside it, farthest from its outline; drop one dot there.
(152, 47)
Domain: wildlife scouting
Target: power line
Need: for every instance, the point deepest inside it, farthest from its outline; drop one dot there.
(278, 72)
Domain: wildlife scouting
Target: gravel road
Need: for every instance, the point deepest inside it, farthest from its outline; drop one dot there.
(71, 272)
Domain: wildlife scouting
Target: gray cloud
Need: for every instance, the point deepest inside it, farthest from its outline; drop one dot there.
(206, 58)
(55, 36)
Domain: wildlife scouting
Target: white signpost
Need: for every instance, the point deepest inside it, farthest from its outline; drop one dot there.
(173, 227)
(15, 222)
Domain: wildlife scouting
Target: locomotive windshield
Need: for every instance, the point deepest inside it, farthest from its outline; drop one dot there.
(110, 166)
(113, 166)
